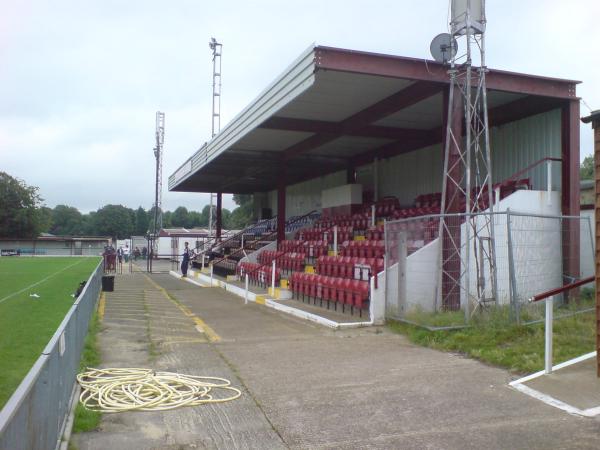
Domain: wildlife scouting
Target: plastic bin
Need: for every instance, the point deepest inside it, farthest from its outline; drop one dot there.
(108, 283)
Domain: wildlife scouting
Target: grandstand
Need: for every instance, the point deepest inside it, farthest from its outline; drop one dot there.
(344, 141)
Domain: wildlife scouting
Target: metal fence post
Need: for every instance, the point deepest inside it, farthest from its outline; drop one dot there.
(514, 302)
(246, 293)
(548, 336)
(273, 279)
(402, 255)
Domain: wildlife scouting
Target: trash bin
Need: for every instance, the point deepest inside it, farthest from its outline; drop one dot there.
(108, 283)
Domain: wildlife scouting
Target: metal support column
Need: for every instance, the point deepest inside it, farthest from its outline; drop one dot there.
(570, 191)
(281, 206)
(219, 226)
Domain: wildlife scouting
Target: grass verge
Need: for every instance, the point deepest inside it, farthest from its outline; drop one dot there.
(86, 420)
(497, 341)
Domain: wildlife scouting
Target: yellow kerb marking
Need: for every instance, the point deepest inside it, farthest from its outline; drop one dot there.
(260, 299)
(208, 331)
(101, 306)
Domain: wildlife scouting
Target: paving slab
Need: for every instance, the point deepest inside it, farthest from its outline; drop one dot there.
(306, 386)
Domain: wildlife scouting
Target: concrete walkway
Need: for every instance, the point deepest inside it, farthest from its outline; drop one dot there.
(309, 387)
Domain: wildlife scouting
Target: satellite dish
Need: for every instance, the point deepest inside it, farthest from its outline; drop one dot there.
(443, 48)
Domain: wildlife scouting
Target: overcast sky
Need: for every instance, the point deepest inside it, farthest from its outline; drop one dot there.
(80, 81)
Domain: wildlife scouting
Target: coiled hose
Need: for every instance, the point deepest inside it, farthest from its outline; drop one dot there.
(128, 389)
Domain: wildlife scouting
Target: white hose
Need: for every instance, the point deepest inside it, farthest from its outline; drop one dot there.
(127, 389)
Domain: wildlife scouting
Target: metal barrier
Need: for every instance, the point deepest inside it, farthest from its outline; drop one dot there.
(36, 414)
(548, 296)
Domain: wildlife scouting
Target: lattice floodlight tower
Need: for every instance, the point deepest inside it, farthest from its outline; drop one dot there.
(158, 154)
(466, 230)
(216, 48)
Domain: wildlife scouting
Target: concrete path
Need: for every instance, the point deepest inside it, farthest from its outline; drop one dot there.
(309, 387)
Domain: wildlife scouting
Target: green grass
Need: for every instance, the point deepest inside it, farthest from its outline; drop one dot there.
(86, 420)
(519, 348)
(26, 323)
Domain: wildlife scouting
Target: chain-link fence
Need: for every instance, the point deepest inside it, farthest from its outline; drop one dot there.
(483, 262)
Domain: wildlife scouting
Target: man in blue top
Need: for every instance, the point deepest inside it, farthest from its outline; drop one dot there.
(187, 255)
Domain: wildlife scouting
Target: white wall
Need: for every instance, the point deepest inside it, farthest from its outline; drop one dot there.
(304, 197)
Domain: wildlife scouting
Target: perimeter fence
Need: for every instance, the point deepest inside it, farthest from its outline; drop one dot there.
(36, 414)
(471, 271)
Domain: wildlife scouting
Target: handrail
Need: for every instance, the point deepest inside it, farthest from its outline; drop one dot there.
(516, 175)
(215, 243)
(265, 237)
(559, 290)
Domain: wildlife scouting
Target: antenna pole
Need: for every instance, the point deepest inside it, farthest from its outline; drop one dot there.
(217, 50)
(467, 180)
(158, 155)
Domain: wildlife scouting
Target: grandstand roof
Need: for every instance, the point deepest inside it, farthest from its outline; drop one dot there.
(333, 108)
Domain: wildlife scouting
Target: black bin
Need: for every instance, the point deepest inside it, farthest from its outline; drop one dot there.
(108, 283)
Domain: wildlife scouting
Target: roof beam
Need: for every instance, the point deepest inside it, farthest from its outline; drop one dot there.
(322, 126)
(327, 58)
(400, 100)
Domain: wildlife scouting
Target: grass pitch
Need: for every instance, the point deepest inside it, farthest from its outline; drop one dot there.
(27, 323)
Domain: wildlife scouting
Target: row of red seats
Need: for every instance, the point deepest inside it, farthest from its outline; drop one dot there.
(349, 267)
(312, 249)
(267, 256)
(415, 212)
(375, 233)
(354, 293)
(425, 200)
(363, 249)
(359, 221)
(258, 273)
(292, 261)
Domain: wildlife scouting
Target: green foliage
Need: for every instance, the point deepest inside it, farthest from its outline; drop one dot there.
(497, 341)
(586, 169)
(45, 215)
(19, 213)
(66, 220)
(141, 222)
(114, 220)
(179, 217)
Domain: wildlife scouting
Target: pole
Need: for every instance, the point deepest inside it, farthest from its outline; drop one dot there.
(372, 215)
(549, 181)
(246, 293)
(273, 279)
(211, 275)
(548, 336)
(335, 240)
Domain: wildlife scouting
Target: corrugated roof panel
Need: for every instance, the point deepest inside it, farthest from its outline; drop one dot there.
(337, 95)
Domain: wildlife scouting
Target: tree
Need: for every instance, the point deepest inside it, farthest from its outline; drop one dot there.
(45, 215)
(586, 169)
(242, 216)
(195, 219)
(179, 218)
(66, 220)
(19, 213)
(114, 220)
(141, 222)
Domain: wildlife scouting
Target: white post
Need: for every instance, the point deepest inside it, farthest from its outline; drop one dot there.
(273, 279)
(497, 191)
(335, 230)
(211, 275)
(548, 336)
(549, 181)
(372, 215)
(242, 240)
(246, 293)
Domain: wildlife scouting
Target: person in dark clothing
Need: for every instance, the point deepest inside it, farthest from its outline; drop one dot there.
(187, 255)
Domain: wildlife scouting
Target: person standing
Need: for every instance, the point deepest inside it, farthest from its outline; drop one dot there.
(126, 253)
(187, 255)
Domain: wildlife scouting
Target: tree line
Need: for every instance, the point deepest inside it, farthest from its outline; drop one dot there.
(23, 215)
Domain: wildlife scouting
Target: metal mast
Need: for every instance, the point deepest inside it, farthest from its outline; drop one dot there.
(467, 177)
(216, 114)
(158, 154)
